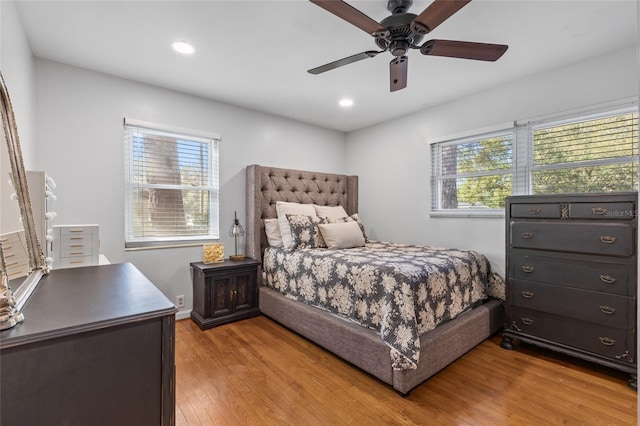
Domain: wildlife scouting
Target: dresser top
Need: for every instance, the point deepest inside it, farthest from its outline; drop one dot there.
(70, 301)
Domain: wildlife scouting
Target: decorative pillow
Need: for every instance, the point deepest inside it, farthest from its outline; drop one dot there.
(305, 232)
(342, 235)
(332, 212)
(283, 208)
(353, 218)
(272, 229)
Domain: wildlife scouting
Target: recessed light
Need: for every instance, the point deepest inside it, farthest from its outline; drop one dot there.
(183, 47)
(346, 102)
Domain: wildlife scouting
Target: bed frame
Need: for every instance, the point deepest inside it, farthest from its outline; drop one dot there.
(356, 344)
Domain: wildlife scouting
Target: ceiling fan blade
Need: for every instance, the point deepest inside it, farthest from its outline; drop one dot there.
(351, 15)
(398, 73)
(435, 14)
(464, 49)
(344, 61)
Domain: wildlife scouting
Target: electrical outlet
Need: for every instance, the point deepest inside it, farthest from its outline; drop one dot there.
(180, 301)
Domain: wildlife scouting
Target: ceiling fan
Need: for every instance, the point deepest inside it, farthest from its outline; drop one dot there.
(402, 31)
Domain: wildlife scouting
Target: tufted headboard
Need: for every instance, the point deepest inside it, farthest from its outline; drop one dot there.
(267, 185)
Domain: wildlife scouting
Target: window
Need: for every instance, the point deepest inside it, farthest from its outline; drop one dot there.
(595, 154)
(171, 187)
(472, 174)
(589, 153)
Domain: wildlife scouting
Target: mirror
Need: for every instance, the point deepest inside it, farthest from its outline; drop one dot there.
(15, 292)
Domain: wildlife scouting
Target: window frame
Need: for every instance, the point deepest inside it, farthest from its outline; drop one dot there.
(523, 153)
(133, 242)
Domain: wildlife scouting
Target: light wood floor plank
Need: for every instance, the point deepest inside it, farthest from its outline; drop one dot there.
(256, 372)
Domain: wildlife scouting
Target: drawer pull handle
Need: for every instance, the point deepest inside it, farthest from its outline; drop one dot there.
(526, 268)
(527, 235)
(527, 294)
(608, 240)
(599, 210)
(607, 309)
(607, 341)
(607, 279)
(527, 321)
(626, 356)
(534, 211)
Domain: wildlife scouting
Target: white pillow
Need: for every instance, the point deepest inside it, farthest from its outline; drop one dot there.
(332, 212)
(342, 235)
(272, 229)
(283, 208)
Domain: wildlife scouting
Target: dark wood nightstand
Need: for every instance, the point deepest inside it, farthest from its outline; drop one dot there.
(224, 292)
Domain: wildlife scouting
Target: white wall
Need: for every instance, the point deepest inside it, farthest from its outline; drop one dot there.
(393, 162)
(80, 127)
(17, 67)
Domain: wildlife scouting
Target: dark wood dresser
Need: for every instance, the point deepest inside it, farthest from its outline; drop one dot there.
(224, 292)
(96, 348)
(572, 276)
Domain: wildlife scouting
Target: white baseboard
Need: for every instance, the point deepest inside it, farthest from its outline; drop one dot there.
(183, 314)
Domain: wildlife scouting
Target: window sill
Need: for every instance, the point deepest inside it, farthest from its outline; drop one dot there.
(165, 244)
(467, 213)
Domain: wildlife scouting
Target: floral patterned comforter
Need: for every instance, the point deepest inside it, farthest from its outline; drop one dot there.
(400, 290)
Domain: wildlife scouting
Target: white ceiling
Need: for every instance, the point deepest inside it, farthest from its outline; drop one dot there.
(255, 54)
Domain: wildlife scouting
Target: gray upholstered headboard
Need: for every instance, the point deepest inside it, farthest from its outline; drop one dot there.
(267, 185)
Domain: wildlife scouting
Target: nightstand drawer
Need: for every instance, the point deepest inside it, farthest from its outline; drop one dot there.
(611, 239)
(613, 278)
(606, 309)
(616, 344)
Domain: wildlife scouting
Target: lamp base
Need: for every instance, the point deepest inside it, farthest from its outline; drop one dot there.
(237, 257)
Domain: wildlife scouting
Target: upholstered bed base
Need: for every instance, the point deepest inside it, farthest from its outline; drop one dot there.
(365, 349)
(358, 345)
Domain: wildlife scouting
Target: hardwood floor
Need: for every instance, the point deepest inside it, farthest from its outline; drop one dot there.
(256, 372)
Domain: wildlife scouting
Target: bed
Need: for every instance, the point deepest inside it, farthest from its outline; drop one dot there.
(363, 342)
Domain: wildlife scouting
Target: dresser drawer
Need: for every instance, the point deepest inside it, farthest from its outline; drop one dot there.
(603, 211)
(76, 261)
(538, 210)
(605, 341)
(609, 310)
(76, 230)
(614, 278)
(610, 239)
(70, 239)
(77, 251)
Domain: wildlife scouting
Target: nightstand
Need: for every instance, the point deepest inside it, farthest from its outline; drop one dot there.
(224, 292)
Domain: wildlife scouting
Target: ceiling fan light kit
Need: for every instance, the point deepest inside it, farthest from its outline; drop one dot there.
(402, 31)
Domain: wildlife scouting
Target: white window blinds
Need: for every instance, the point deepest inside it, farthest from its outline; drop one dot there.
(592, 154)
(172, 187)
(473, 173)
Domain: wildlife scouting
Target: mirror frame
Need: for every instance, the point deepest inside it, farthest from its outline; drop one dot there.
(37, 263)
